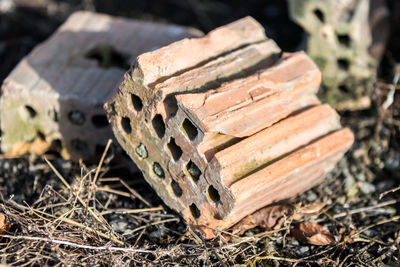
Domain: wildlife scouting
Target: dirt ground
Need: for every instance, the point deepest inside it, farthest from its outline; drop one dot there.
(46, 203)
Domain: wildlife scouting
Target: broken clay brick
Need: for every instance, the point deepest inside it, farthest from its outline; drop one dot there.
(222, 133)
(347, 40)
(57, 92)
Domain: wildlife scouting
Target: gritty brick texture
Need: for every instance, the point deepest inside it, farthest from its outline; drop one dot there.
(226, 124)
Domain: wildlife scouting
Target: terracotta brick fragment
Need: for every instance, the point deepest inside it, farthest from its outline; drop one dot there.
(56, 93)
(223, 133)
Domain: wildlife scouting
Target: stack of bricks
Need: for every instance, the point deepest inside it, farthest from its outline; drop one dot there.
(53, 99)
(226, 124)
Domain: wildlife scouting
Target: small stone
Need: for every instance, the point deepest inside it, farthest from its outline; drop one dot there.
(159, 233)
(367, 188)
(350, 187)
(303, 251)
(311, 196)
(119, 225)
(370, 232)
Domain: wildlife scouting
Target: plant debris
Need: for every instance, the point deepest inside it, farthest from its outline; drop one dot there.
(313, 233)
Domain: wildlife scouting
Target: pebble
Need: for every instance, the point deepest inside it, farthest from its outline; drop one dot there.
(303, 251)
(367, 188)
(159, 233)
(311, 196)
(119, 225)
(370, 233)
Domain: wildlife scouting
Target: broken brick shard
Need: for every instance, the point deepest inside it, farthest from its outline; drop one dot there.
(229, 129)
(57, 92)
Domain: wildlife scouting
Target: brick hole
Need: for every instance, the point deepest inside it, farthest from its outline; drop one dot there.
(189, 129)
(319, 14)
(213, 194)
(136, 102)
(100, 121)
(126, 125)
(79, 146)
(158, 170)
(174, 149)
(217, 216)
(176, 189)
(158, 125)
(76, 117)
(344, 39)
(193, 171)
(141, 151)
(194, 210)
(30, 111)
(106, 57)
(343, 64)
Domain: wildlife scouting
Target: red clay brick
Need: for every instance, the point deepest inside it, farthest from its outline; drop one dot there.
(229, 127)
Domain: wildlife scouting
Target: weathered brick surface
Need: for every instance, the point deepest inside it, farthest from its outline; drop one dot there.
(223, 133)
(57, 92)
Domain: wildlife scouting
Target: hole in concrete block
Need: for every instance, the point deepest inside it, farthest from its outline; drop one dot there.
(136, 102)
(100, 121)
(126, 125)
(344, 39)
(158, 170)
(107, 57)
(175, 150)
(79, 146)
(193, 170)
(141, 151)
(176, 189)
(194, 210)
(30, 111)
(53, 114)
(343, 64)
(320, 15)
(213, 194)
(189, 129)
(41, 135)
(158, 125)
(56, 145)
(343, 88)
(76, 117)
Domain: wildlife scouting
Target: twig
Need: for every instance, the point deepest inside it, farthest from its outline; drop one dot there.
(351, 212)
(133, 192)
(277, 259)
(68, 243)
(151, 224)
(101, 162)
(131, 211)
(96, 175)
(113, 238)
(74, 223)
(390, 96)
(389, 191)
